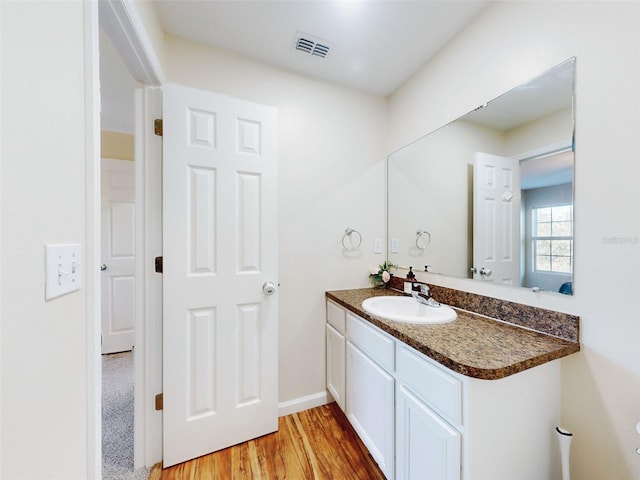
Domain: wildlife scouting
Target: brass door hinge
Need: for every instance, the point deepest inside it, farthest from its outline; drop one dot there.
(157, 127)
(159, 401)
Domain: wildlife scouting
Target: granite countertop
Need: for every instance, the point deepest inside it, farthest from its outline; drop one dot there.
(473, 345)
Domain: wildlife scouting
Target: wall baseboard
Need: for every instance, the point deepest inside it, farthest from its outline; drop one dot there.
(304, 403)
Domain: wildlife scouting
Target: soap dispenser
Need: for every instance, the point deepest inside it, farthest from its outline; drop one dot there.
(411, 276)
(409, 283)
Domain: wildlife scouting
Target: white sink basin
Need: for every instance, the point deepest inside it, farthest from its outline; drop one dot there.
(407, 309)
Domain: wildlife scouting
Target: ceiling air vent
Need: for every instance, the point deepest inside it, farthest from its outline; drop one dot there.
(310, 45)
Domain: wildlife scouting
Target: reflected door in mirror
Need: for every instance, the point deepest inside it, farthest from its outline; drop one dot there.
(496, 219)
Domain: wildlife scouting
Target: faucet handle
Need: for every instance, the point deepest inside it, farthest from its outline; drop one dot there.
(424, 289)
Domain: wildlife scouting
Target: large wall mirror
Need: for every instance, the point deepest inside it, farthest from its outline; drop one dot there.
(489, 196)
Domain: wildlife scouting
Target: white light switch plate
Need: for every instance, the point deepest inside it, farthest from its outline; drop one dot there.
(62, 269)
(377, 245)
(395, 245)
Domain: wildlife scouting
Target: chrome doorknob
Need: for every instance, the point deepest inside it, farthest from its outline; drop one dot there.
(269, 288)
(103, 267)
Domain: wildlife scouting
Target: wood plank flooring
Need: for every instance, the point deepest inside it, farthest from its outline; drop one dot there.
(317, 444)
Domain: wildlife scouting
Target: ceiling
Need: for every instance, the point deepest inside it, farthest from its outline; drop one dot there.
(374, 45)
(116, 89)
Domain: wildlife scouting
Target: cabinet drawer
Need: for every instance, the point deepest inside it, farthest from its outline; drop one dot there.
(336, 316)
(379, 346)
(437, 388)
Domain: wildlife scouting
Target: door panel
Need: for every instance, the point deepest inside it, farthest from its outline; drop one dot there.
(428, 447)
(370, 406)
(336, 344)
(496, 219)
(220, 247)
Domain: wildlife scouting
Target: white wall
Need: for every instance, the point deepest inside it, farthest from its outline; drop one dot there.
(331, 174)
(552, 129)
(43, 345)
(149, 30)
(510, 43)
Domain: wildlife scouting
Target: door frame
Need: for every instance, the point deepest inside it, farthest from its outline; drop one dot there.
(121, 19)
(148, 330)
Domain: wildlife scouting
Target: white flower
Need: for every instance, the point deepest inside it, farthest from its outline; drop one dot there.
(374, 270)
(385, 276)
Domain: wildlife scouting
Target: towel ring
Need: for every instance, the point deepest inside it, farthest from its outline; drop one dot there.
(347, 233)
(419, 234)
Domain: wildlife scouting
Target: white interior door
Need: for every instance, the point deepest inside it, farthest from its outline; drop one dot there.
(220, 361)
(118, 254)
(496, 219)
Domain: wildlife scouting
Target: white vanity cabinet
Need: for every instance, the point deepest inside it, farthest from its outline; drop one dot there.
(421, 420)
(371, 390)
(360, 363)
(453, 427)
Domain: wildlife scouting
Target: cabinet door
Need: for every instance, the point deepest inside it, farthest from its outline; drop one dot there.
(370, 406)
(336, 344)
(427, 446)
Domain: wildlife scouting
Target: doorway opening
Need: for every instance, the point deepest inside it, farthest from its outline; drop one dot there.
(117, 276)
(121, 23)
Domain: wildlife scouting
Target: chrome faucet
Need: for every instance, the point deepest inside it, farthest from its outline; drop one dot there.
(424, 296)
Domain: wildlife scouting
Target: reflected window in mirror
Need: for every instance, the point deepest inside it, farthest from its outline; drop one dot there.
(551, 265)
(553, 241)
